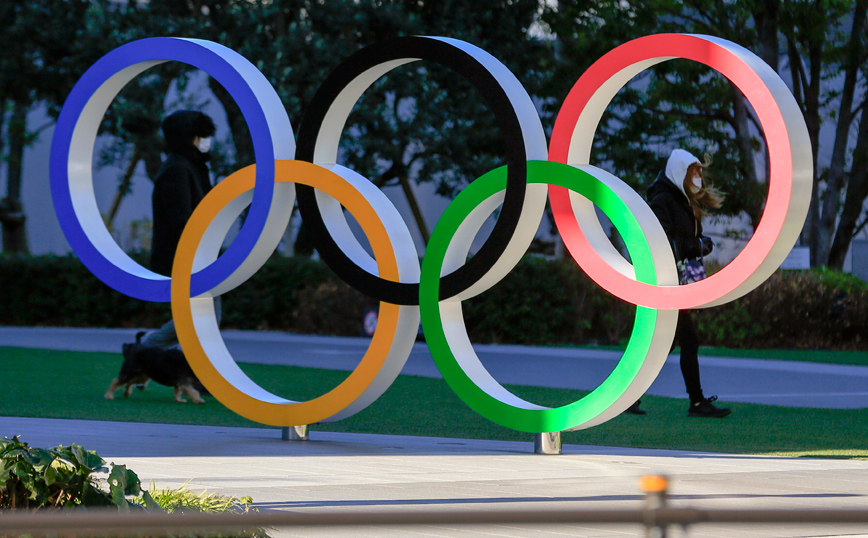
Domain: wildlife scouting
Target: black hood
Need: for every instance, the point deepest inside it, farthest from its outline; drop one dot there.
(181, 127)
(663, 185)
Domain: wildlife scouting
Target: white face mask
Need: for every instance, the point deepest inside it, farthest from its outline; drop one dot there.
(204, 144)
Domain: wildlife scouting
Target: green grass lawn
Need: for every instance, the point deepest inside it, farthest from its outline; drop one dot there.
(854, 358)
(62, 384)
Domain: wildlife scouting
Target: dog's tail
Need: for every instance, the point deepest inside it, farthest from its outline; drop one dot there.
(139, 336)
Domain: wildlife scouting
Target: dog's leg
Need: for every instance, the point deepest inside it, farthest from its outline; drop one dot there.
(128, 390)
(192, 393)
(110, 393)
(178, 394)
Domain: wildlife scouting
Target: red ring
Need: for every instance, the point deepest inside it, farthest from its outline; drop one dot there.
(753, 78)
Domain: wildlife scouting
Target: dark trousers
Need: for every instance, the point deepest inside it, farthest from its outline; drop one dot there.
(165, 337)
(688, 338)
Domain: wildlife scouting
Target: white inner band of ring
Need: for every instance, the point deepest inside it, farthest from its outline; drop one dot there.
(581, 143)
(80, 173)
(455, 329)
(208, 333)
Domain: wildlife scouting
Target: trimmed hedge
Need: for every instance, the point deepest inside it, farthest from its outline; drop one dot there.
(818, 309)
(540, 302)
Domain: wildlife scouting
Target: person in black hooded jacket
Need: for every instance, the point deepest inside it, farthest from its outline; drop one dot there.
(680, 198)
(181, 183)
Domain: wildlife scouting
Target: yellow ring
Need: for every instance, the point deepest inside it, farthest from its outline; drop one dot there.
(262, 406)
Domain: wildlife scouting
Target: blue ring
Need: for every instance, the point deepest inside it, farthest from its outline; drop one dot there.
(251, 94)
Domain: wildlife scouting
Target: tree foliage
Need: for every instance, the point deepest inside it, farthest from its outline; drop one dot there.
(417, 123)
(422, 124)
(36, 66)
(820, 48)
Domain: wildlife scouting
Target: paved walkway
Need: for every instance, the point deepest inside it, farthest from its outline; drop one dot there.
(785, 383)
(337, 472)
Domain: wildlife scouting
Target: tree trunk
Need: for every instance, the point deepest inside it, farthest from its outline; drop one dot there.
(754, 209)
(807, 92)
(124, 187)
(240, 133)
(857, 186)
(12, 215)
(414, 207)
(153, 161)
(857, 192)
(3, 104)
(767, 20)
(767, 27)
(835, 180)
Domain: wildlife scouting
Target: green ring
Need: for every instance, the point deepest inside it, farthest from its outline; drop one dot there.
(516, 413)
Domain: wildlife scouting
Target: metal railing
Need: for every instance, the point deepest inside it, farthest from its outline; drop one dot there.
(655, 516)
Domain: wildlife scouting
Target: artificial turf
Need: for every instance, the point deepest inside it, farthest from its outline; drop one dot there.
(65, 384)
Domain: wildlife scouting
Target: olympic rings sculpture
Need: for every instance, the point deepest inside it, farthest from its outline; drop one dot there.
(433, 292)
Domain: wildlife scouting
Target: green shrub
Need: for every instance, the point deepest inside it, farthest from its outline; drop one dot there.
(68, 477)
(547, 302)
(276, 295)
(332, 307)
(64, 477)
(539, 302)
(819, 309)
(60, 291)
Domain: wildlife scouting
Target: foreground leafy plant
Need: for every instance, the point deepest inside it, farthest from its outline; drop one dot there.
(68, 477)
(64, 476)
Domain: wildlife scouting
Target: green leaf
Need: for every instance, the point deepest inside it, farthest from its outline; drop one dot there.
(51, 476)
(5, 472)
(36, 488)
(92, 496)
(88, 459)
(38, 457)
(150, 503)
(117, 481)
(133, 484)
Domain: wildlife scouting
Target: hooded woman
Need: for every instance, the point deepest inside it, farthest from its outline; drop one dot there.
(680, 198)
(181, 183)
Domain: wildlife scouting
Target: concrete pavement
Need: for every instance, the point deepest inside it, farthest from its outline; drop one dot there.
(339, 472)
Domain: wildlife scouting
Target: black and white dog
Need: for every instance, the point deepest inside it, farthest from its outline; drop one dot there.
(165, 366)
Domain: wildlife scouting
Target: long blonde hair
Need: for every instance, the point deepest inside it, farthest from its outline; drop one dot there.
(703, 198)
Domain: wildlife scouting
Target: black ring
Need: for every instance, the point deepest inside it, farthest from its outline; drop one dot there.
(460, 61)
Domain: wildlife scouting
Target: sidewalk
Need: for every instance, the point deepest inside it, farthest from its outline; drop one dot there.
(339, 472)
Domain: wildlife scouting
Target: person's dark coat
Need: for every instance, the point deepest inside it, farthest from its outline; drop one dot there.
(181, 183)
(676, 216)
